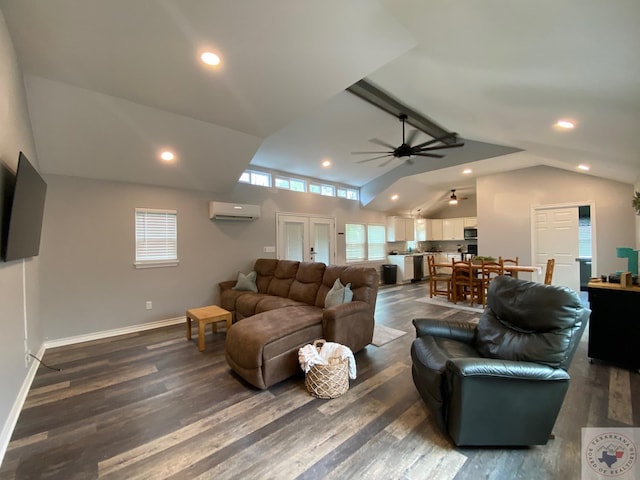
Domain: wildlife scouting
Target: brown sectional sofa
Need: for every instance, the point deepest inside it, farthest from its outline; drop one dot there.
(288, 312)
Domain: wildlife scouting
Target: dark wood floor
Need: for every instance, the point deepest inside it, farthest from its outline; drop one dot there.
(150, 406)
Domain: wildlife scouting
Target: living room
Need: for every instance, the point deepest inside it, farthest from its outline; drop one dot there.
(83, 282)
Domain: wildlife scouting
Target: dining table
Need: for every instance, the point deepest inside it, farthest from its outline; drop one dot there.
(513, 269)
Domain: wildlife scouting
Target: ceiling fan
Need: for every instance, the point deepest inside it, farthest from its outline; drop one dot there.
(453, 199)
(408, 150)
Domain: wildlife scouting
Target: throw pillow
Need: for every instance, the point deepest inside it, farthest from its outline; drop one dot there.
(338, 294)
(246, 282)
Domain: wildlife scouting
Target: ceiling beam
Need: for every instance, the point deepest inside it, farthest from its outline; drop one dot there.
(381, 99)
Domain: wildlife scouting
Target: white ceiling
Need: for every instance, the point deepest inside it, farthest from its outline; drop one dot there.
(110, 83)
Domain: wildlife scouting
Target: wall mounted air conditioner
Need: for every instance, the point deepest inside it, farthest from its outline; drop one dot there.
(233, 211)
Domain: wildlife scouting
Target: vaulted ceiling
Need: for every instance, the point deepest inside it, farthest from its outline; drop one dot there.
(111, 83)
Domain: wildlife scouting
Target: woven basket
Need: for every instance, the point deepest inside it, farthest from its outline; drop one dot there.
(328, 381)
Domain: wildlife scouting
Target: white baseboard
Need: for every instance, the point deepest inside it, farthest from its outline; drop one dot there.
(10, 424)
(61, 342)
(12, 419)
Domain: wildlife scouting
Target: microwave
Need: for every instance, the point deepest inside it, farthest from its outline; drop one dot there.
(470, 233)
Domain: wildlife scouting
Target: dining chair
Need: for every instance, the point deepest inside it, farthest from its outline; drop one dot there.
(510, 261)
(548, 274)
(436, 280)
(465, 283)
(489, 270)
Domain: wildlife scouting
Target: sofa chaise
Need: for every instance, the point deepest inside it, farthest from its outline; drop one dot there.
(286, 310)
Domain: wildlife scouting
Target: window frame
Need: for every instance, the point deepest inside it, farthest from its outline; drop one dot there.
(140, 260)
(366, 245)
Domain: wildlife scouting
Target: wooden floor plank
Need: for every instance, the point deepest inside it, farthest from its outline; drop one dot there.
(150, 405)
(620, 396)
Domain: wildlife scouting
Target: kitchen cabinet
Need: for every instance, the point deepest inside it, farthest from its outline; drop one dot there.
(470, 222)
(421, 230)
(452, 229)
(449, 228)
(405, 267)
(400, 229)
(434, 229)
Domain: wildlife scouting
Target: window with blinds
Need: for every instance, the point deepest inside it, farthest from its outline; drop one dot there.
(365, 242)
(355, 240)
(375, 242)
(156, 238)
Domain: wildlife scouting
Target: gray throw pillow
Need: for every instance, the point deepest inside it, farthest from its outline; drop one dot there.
(246, 282)
(338, 294)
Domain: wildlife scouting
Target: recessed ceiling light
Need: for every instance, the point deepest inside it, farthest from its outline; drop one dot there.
(584, 167)
(394, 197)
(210, 58)
(467, 171)
(565, 124)
(326, 163)
(167, 156)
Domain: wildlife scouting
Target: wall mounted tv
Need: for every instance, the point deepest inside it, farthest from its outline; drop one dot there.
(26, 211)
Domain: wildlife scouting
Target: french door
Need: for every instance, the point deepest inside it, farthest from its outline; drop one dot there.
(306, 238)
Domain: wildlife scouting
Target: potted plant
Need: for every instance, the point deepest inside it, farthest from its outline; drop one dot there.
(635, 203)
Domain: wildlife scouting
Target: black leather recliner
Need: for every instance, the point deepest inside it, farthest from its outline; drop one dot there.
(501, 382)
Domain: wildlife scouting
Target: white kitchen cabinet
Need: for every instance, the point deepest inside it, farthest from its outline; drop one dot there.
(405, 267)
(434, 229)
(400, 229)
(421, 230)
(409, 229)
(453, 229)
(470, 222)
(407, 274)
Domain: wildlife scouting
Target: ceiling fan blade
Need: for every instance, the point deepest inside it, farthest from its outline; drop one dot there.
(375, 158)
(432, 155)
(436, 140)
(367, 153)
(412, 136)
(440, 147)
(385, 163)
(380, 142)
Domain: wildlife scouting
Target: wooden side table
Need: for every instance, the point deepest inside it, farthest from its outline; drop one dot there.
(203, 315)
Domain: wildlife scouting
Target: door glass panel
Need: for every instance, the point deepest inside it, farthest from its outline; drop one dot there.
(294, 241)
(321, 243)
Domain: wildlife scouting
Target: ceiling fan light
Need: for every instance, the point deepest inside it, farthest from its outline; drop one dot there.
(453, 201)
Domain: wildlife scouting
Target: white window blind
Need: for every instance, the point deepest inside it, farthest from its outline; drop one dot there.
(375, 242)
(355, 240)
(156, 238)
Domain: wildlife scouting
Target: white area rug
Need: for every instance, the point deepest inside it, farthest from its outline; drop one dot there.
(382, 335)
(443, 302)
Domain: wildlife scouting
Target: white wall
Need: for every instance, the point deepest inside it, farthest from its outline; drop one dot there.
(15, 136)
(88, 281)
(504, 209)
(637, 189)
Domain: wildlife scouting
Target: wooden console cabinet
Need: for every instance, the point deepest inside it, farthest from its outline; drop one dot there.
(614, 326)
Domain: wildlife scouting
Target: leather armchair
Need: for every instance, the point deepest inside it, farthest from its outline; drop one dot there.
(501, 382)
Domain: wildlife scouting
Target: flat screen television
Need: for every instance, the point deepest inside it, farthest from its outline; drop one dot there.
(26, 211)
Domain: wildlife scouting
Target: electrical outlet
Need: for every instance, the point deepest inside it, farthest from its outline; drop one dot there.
(149, 305)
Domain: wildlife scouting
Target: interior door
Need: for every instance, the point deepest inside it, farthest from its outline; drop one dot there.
(555, 235)
(305, 238)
